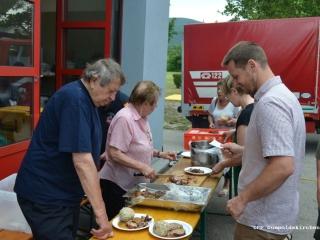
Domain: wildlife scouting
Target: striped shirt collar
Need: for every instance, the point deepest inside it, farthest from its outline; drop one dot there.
(270, 83)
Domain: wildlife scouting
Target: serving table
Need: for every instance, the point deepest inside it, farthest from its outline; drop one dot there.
(192, 218)
(10, 235)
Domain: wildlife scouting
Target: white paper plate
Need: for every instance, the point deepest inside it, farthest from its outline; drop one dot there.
(185, 225)
(205, 170)
(116, 221)
(186, 154)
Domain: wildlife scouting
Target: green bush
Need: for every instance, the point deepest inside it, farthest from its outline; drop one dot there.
(174, 58)
(177, 79)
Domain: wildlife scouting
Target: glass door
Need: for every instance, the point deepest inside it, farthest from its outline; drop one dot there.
(83, 36)
(19, 73)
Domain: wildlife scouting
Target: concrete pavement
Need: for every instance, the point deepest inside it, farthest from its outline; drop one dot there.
(221, 227)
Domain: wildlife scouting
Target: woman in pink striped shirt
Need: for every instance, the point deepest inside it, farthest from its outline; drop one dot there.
(129, 147)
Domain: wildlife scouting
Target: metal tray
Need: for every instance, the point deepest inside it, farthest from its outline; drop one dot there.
(186, 198)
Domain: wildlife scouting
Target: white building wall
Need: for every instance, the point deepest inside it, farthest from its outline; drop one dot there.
(144, 52)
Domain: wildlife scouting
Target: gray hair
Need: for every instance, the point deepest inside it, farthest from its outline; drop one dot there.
(144, 91)
(242, 52)
(106, 69)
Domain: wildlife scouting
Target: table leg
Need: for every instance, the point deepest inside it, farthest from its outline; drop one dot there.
(203, 226)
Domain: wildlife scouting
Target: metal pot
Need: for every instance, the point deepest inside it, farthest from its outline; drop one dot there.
(203, 154)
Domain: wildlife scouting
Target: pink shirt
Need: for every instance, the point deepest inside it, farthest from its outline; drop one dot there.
(131, 134)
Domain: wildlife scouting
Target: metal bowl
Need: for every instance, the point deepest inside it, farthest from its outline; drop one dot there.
(203, 154)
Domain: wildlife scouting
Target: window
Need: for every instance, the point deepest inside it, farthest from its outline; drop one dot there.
(15, 109)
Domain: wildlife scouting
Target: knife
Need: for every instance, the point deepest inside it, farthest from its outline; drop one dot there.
(158, 187)
(158, 175)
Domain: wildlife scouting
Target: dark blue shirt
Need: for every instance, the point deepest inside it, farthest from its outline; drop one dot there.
(106, 115)
(68, 124)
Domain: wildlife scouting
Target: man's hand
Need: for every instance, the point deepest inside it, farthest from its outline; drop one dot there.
(236, 206)
(232, 150)
(105, 229)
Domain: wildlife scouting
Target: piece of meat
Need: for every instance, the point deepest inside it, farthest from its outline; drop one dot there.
(190, 177)
(196, 170)
(131, 225)
(174, 226)
(179, 181)
(137, 220)
(177, 233)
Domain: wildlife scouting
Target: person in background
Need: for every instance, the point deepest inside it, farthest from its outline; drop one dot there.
(9, 93)
(60, 164)
(317, 231)
(273, 153)
(222, 114)
(129, 147)
(238, 98)
(106, 114)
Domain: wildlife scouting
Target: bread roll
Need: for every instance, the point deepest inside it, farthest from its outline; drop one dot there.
(161, 228)
(126, 214)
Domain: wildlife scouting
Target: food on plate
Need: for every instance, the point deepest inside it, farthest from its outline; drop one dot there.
(174, 226)
(161, 228)
(165, 229)
(147, 194)
(195, 170)
(138, 222)
(126, 214)
(177, 233)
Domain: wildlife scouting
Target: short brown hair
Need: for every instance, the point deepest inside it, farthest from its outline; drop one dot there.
(144, 91)
(242, 52)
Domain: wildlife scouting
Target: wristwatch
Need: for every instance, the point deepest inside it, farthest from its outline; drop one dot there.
(158, 155)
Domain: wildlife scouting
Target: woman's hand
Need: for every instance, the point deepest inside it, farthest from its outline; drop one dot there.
(226, 135)
(223, 120)
(232, 122)
(148, 172)
(169, 155)
(211, 125)
(218, 168)
(103, 156)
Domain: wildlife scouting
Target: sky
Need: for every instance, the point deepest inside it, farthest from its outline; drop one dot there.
(201, 10)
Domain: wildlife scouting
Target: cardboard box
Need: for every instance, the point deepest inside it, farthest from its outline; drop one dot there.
(11, 216)
(209, 134)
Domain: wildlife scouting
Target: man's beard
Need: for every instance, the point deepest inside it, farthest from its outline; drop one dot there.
(251, 87)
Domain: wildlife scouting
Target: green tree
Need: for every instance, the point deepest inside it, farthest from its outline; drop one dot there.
(172, 32)
(271, 9)
(16, 14)
(174, 58)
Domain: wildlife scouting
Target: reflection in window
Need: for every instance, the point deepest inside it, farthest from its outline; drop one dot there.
(16, 31)
(83, 46)
(15, 109)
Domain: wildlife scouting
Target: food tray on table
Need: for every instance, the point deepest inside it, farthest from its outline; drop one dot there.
(186, 198)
